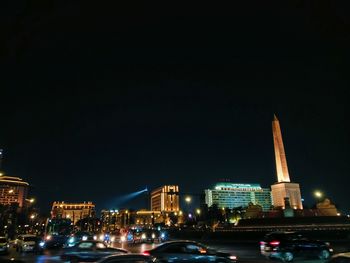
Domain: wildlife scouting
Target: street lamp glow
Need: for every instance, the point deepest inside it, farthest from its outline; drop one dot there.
(32, 200)
(318, 194)
(198, 211)
(32, 216)
(188, 199)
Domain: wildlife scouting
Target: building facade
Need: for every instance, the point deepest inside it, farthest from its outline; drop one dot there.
(283, 188)
(230, 195)
(72, 211)
(13, 190)
(165, 199)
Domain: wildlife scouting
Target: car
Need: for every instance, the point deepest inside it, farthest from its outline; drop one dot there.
(340, 258)
(127, 258)
(72, 240)
(27, 243)
(152, 235)
(89, 251)
(54, 241)
(4, 245)
(288, 245)
(190, 251)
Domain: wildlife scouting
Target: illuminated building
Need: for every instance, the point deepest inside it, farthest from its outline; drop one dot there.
(13, 190)
(109, 220)
(144, 218)
(231, 195)
(283, 188)
(165, 199)
(72, 211)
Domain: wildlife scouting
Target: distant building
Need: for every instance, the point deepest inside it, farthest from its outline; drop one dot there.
(72, 211)
(13, 190)
(231, 195)
(165, 199)
(109, 220)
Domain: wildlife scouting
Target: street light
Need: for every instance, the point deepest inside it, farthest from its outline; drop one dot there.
(188, 199)
(198, 211)
(318, 194)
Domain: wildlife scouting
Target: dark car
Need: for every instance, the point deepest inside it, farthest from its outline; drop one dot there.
(288, 245)
(54, 241)
(179, 251)
(340, 258)
(89, 251)
(127, 258)
(152, 235)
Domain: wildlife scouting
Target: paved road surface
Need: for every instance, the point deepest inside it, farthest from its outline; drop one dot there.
(247, 252)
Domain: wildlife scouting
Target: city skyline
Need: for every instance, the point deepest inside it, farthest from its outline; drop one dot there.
(102, 104)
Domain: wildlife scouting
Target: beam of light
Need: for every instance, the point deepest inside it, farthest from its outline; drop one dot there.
(121, 200)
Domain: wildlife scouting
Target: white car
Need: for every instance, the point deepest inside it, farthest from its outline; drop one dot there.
(26, 243)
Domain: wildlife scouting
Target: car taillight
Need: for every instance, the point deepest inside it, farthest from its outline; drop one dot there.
(262, 243)
(274, 243)
(146, 253)
(232, 257)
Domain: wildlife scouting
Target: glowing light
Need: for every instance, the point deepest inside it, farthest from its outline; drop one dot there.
(11, 191)
(188, 199)
(198, 211)
(32, 216)
(318, 194)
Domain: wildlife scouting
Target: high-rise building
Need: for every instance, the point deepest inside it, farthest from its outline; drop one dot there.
(283, 188)
(13, 190)
(165, 199)
(230, 195)
(72, 211)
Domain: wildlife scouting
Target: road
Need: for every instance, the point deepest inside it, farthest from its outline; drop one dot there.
(247, 252)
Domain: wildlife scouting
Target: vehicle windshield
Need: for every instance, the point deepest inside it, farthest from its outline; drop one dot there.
(29, 239)
(3, 240)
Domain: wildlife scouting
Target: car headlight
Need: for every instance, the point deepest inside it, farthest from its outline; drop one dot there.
(42, 244)
(232, 257)
(143, 236)
(84, 238)
(153, 235)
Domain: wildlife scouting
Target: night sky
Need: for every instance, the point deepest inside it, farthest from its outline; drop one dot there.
(101, 100)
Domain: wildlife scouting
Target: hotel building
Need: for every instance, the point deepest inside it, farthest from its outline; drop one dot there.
(165, 199)
(230, 195)
(13, 190)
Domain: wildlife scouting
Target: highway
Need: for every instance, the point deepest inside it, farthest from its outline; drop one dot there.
(246, 252)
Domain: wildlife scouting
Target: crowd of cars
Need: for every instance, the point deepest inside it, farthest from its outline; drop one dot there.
(86, 247)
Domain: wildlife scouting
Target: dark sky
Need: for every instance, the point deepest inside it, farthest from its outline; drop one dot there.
(101, 100)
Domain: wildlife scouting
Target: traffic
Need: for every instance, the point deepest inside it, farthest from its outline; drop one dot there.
(154, 245)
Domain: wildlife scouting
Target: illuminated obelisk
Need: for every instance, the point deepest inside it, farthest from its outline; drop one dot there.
(283, 188)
